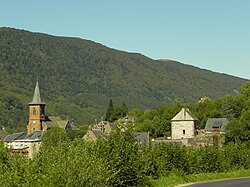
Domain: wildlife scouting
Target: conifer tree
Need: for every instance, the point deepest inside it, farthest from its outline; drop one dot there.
(110, 111)
(124, 109)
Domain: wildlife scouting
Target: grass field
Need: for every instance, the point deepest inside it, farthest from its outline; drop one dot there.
(176, 178)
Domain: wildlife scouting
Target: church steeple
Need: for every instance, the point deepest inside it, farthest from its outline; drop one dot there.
(36, 96)
(36, 112)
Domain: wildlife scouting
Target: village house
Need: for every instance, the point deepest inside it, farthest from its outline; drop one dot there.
(216, 125)
(184, 125)
(23, 143)
(94, 134)
(100, 130)
(103, 128)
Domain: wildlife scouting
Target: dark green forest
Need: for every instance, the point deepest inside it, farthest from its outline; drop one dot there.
(78, 77)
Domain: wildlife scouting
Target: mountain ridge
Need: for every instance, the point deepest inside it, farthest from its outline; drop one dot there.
(77, 77)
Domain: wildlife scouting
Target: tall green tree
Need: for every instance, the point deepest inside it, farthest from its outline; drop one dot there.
(124, 109)
(54, 137)
(110, 111)
(239, 129)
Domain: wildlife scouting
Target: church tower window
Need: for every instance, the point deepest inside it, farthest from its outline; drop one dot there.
(34, 111)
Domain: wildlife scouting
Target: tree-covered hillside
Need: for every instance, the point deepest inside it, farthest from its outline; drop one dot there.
(78, 77)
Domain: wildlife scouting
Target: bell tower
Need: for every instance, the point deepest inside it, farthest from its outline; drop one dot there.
(36, 112)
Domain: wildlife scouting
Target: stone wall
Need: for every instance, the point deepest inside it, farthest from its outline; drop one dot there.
(183, 129)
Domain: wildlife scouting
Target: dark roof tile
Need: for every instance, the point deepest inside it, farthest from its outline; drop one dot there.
(15, 136)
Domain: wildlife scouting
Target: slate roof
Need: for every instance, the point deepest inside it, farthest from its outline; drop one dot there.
(98, 133)
(54, 121)
(71, 126)
(220, 123)
(15, 136)
(185, 115)
(141, 137)
(36, 97)
(24, 136)
(34, 135)
(50, 124)
(3, 134)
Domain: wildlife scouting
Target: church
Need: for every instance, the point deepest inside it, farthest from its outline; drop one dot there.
(28, 143)
(38, 121)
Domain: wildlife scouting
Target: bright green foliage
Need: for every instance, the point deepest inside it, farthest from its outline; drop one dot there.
(205, 110)
(68, 164)
(3, 153)
(116, 161)
(71, 164)
(231, 106)
(239, 129)
(82, 130)
(245, 89)
(121, 152)
(171, 159)
(54, 137)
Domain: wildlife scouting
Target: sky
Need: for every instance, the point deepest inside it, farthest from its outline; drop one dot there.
(210, 34)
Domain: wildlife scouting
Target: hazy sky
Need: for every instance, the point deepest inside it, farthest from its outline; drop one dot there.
(210, 34)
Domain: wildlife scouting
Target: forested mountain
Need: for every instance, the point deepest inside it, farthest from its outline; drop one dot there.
(77, 78)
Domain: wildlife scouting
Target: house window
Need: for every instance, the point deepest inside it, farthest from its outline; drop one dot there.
(184, 132)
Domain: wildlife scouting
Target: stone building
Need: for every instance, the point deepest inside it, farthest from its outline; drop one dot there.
(216, 125)
(184, 125)
(94, 134)
(100, 130)
(23, 143)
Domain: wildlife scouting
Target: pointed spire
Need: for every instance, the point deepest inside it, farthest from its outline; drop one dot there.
(37, 97)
